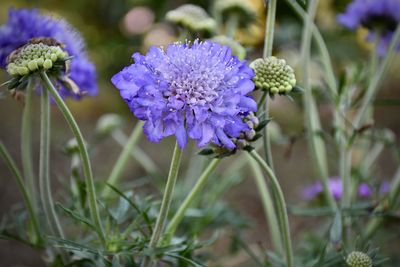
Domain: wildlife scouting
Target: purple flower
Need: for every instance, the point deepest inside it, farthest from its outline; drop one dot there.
(196, 91)
(25, 24)
(335, 188)
(380, 16)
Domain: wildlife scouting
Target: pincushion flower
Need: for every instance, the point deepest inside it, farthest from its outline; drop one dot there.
(196, 91)
(26, 24)
(380, 17)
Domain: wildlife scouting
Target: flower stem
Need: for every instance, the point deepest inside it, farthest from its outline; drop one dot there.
(91, 191)
(27, 198)
(194, 193)
(123, 159)
(26, 145)
(280, 206)
(267, 52)
(317, 146)
(166, 202)
(44, 170)
(267, 202)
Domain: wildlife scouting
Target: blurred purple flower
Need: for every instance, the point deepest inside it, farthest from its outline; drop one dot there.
(196, 91)
(335, 187)
(25, 24)
(381, 16)
(384, 188)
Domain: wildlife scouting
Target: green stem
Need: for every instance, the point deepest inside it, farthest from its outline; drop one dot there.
(280, 207)
(44, 170)
(269, 208)
(21, 186)
(193, 194)
(87, 170)
(138, 154)
(26, 144)
(232, 25)
(166, 202)
(324, 53)
(377, 80)
(123, 159)
(317, 146)
(269, 28)
(267, 52)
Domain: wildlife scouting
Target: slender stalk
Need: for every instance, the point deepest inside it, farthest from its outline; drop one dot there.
(193, 194)
(267, 202)
(25, 195)
(269, 28)
(138, 154)
(232, 25)
(313, 123)
(26, 144)
(377, 80)
(166, 202)
(280, 207)
(267, 52)
(44, 170)
(324, 53)
(87, 170)
(123, 159)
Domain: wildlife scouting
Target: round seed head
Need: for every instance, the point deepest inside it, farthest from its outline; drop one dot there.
(358, 259)
(273, 75)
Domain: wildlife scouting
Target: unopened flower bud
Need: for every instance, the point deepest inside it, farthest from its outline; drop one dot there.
(273, 75)
(34, 56)
(358, 259)
(192, 17)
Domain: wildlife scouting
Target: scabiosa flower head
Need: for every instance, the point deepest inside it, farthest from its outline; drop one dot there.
(24, 25)
(380, 17)
(335, 188)
(196, 90)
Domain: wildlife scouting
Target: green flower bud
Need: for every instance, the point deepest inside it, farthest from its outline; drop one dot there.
(47, 64)
(358, 259)
(273, 75)
(34, 56)
(237, 49)
(239, 8)
(192, 17)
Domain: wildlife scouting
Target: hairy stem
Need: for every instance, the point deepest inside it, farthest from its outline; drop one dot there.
(26, 145)
(166, 202)
(87, 170)
(280, 207)
(317, 146)
(44, 170)
(267, 202)
(193, 194)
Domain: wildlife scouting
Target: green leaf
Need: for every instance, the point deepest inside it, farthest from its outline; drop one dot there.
(206, 152)
(262, 124)
(77, 217)
(189, 261)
